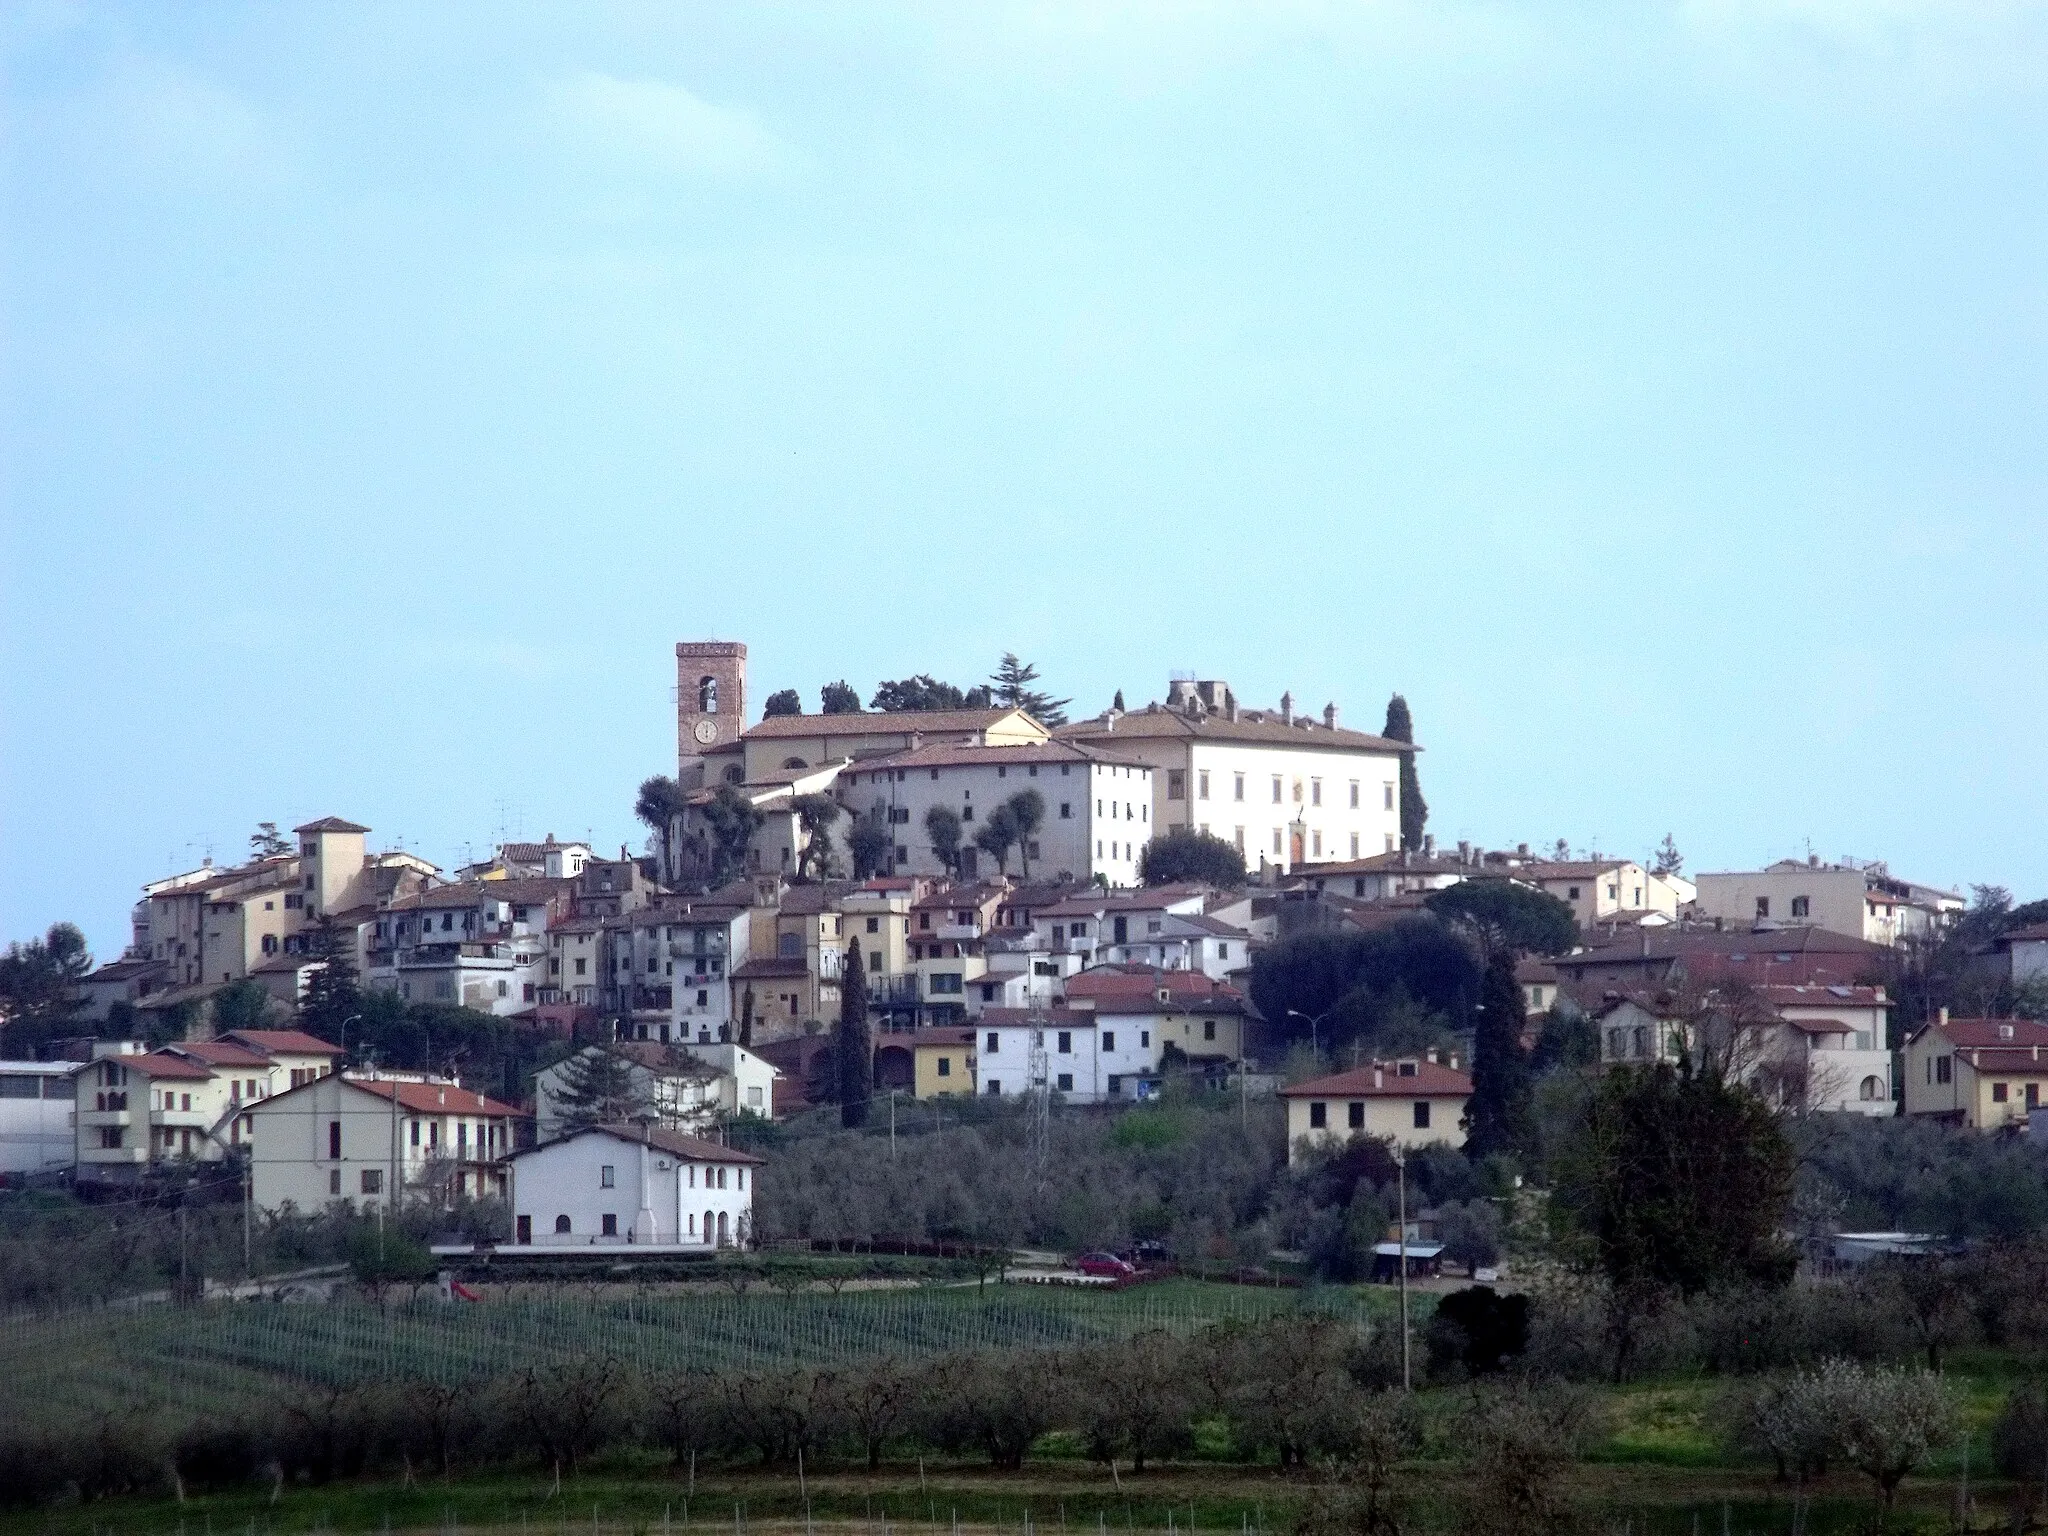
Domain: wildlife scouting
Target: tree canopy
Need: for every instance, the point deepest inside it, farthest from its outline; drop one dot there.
(851, 1046)
(39, 988)
(1420, 958)
(333, 993)
(1027, 815)
(997, 835)
(943, 830)
(1185, 854)
(1498, 1116)
(660, 801)
(266, 842)
(1414, 809)
(839, 699)
(1011, 683)
(926, 692)
(815, 814)
(870, 847)
(731, 820)
(1505, 915)
(1675, 1177)
(598, 1086)
(784, 701)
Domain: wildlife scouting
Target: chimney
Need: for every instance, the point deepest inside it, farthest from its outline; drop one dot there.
(1521, 850)
(1944, 1018)
(1379, 1076)
(1429, 845)
(1287, 708)
(1454, 1061)
(1330, 716)
(1813, 861)
(1229, 705)
(916, 740)
(1430, 1055)
(1464, 851)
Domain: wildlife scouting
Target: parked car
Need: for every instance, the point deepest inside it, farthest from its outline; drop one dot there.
(1106, 1265)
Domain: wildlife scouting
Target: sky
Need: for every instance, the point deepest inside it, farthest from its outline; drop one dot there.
(1657, 396)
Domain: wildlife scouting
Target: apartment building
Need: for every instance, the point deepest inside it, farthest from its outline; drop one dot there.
(377, 1139)
(482, 944)
(1410, 1101)
(1284, 788)
(38, 1105)
(1097, 807)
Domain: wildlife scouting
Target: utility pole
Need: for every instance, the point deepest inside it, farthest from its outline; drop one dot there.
(248, 1201)
(892, 1122)
(184, 1229)
(1401, 1178)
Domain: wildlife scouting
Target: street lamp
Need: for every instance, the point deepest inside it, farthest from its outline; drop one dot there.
(1313, 1040)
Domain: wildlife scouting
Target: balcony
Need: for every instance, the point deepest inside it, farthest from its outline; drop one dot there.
(183, 1119)
(893, 990)
(133, 1156)
(98, 1117)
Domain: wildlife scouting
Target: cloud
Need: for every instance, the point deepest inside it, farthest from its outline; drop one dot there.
(652, 123)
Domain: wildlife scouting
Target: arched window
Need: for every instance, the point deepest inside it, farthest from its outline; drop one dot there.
(1872, 1089)
(734, 774)
(724, 1230)
(707, 695)
(561, 1226)
(710, 1228)
(794, 762)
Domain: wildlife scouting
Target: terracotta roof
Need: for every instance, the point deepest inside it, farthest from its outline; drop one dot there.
(1011, 1018)
(1568, 869)
(1430, 1080)
(532, 890)
(773, 967)
(159, 1064)
(295, 1042)
(1123, 981)
(1967, 1034)
(1155, 898)
(2006, 1059)
(776, 778)
(1821, 1026)
(661, 1056)
(2032, 933)
(287, 961)
(1399, 863)
(1307, 732)
(432, 1098)
(879, 723)
(1823, 997)
(693, 1148)
(1533, 972)
(330, 824)
(122, 969)
(975, 755)
(219, 1053)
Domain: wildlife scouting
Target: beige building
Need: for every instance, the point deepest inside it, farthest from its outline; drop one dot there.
(1285, 789)
(1409, 1102)
(1982, 1073)
(804, 743)
(1597, 889)
(368, 1138)
(1862, 901)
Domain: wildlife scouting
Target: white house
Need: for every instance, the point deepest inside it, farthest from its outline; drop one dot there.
(2026, 951)
(1192, 1014)
(1862, 900)
(1285, 789)
(1816, 1047)
(686, 1088)
(1410, 1102)
(1097, 818)
(648, 1186)
(37, 1107)
(1597, 889)
(1088, 1060)
(373, 1138)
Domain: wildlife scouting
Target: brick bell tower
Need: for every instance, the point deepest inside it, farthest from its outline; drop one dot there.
(711, 702)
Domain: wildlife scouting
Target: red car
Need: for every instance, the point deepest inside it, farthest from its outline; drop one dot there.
(1106, 1265)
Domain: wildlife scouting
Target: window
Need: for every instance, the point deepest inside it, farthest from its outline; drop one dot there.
(994, 1043)
(1571, 893)
(1763, 906)
(607, 1177)
(1202, 785)
(582, 966)
(1208, 1029)
(1238, 837)
(1942, 1070)
(1066, 810)
(1065, 1083)
(1316, 843)
(1354, 794)
(1066, 1043)
(1872, 1089)
(1801, 906)
(1318, 1114)
(1277, 791)
(1315, 791)
(611, 1225)
(1144, 1039)
(1354, 1114)
(1354, 845)
(334, 1181)
(995, 1089)
(1176, 784)
(874, 925)
(334, 1140)
(1422, 1114)
(947, 982)
(2033, 1096)
(373, 1181)
(1240, 786)
(1998, 1093)
(1109, 1039)
(561, 1226)
(1276, 838)
(945, 1066)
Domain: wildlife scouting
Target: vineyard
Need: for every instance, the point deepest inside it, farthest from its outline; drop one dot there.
(228, 1355)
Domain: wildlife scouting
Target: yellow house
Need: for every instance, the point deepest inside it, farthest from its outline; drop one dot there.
(1982, 1073)
(1408, 1102)
(945, 1063)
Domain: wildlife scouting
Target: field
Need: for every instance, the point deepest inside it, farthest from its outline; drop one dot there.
(230, 1354)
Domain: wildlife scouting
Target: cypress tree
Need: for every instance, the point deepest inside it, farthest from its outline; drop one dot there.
(333, 993)
(856, 1058)
(1414, 809)
(598, 1087)
(1499, 1118)
(747, 1019)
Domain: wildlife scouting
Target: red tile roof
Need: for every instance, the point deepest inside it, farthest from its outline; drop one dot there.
(1252, 726)
(879, 723)
(220, 1053)
(1841, 996)
(1430, 1080)
(433, 1098)
(1967, 1034)
(693, 1148)
(293, 1042)
(330, 824)
(977, 755)
(159, 1064)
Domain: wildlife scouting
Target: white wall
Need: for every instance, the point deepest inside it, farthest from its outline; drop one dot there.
(37, 1107)
(566, 1178)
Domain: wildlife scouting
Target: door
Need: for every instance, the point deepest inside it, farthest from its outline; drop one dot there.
(525, 1229)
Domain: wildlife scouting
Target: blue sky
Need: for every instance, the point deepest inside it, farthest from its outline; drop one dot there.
(1654, 394)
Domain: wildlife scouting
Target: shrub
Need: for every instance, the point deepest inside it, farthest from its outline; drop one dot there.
(1478, 1329)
